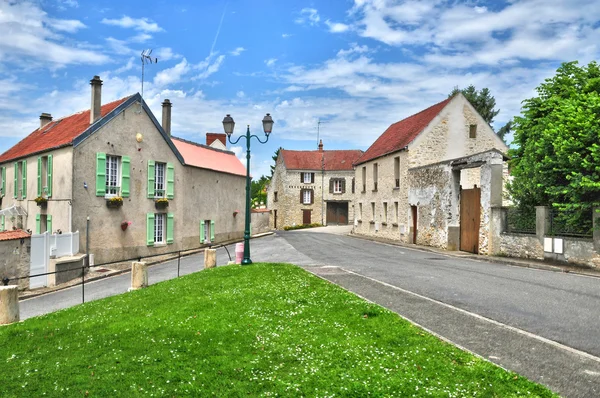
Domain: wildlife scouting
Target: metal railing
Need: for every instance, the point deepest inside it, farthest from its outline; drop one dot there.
(521, 220)
(576, 223)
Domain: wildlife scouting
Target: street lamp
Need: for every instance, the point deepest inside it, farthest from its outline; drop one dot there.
(228, 125)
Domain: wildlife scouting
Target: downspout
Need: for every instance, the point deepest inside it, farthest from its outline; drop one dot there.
(322, 188)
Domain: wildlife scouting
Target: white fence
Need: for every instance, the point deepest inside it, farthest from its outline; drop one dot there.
(45, 245)
(66, 244)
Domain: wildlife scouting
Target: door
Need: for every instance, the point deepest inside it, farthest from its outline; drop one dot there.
(274, 219)
(413, 210)
(38, 262)
(470, 214)
(337, 213)
(306, 216)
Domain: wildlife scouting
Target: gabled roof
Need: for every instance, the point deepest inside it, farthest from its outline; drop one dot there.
(335, 160)
(13, 235)
(56, 134)
(207, 157)
(402, 133)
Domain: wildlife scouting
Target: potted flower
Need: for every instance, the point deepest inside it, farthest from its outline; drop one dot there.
(161, 203)
(125, 224)
(115, 201)
(41, 201)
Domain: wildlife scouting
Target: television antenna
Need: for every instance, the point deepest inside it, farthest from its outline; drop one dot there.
(319, 122)
(146, 59)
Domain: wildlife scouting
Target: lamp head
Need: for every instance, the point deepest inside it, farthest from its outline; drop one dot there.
(268, 124)
(228, 125)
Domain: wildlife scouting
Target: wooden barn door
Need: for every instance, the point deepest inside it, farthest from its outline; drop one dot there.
(470, 215)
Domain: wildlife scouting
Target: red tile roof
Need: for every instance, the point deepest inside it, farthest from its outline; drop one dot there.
(402, 133)
(199, 155)
(311, 160)
(13, 235)
(56, 134)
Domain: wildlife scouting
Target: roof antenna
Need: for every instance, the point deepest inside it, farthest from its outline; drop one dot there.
(318, 128)
(146, 59)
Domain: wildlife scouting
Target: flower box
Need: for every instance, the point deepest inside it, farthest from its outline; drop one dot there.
(114, 202)
(161, 203)
(41, 201)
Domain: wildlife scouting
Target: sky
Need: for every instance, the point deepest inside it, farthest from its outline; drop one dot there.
(340, 70)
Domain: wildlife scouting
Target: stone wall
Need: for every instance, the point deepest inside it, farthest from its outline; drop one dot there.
(259, 222)
(14, 260)
(520, 245)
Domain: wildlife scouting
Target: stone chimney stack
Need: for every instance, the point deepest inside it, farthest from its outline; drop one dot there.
(320, 145)
(45, 118)
(166, 116)
(96, 84)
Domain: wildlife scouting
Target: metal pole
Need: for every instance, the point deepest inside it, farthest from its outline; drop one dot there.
(82, 284)
(87, 242)
(246, 260)
(178, 262)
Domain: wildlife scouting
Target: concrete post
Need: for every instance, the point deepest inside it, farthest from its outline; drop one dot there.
(596, 228)
(139, 275)
(96, 105)
(9, 304)
(210, 258)
(498, 224)
(496, 185)
(542, 222)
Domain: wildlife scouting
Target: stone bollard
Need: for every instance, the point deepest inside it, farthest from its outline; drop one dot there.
(210, 258)
(139, 275)
(9, 304)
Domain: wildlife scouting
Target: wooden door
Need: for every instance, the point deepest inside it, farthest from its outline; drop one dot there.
(274, 219)
(470, 217)
(414, 221)
(306, 216)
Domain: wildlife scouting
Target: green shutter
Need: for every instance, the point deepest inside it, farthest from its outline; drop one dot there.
(16, 186)
(150, 229)
(39, 184)
(24, 175)
(49, 223)
(151, 179)
(3, 177)
(169, 228)
(1, 223)
(38, 225)
(170, 181)
(49, 175)
(101, 174)
(201, 231)
(212, 230)
(125, 176)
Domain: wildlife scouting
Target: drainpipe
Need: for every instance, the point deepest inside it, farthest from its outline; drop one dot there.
(322, 188)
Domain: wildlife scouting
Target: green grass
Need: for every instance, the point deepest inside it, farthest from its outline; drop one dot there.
(262, 330)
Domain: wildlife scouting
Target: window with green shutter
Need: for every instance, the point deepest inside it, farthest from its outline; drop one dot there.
(169, 228)
(3, 181)
(49, 223)
(16, 186)
(24, 178)
(150, 229)
(1, 223)
(151, 179)
(39, 176)
(125, 176)
(201, 231)
(38, 223)
(212, 230)
(49, 176)
(100, 174)
(170, 181)
(44, 176)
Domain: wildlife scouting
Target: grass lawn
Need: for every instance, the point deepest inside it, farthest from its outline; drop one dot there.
(261, 330)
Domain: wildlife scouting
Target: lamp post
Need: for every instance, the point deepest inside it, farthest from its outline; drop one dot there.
(228, 125)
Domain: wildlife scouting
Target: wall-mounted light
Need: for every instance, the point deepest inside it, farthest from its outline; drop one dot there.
(139, 137)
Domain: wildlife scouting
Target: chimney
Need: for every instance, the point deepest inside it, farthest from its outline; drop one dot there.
(96, 99)
(212, 137)
(45, 118)
(320, 145)
(166, 118)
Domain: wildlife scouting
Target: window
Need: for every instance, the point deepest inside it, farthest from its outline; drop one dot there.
(275, 196)
(375, 167)
(2, 181)
(306, 196)
(44, 176)
(385, 212)
(373, 211)
(1, 223)
(473, 131)
(113, 179)
(396, 212)
(20, 187)
(337, 185)
(397, 171)
(159, 180)
(352, 184)
(360, 211)
(207, 231)
(364, 179)
(159, 228)
(307, 178)
(43, 223)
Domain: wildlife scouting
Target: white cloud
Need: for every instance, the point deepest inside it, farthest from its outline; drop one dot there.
(286, 35)
(172, 75)
(336, 27)
(140, 38)
(65, 25)
(165, 54)
(240, 94)
(209, 66)
(308, 16)
(142, 24)
(237, 51)
(270, 62)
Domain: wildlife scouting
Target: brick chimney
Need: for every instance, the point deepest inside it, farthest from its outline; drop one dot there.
(212, 137)
(95, 113)
(320, 145)
(45, 118)
(166, 116)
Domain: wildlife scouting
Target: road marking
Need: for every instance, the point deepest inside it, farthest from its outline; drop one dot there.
(511, 328)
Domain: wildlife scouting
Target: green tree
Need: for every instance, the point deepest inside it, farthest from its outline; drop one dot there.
(481, 100)
(258, 191)
(274, 157)
(556, 159)
(505, 130)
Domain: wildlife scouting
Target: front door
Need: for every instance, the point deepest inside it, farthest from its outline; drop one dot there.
(470, 214)
(306, 216)
(274, 219)
(337, 213)
(414, 222)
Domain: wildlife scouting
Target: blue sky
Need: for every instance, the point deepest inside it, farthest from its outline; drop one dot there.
(357, 66)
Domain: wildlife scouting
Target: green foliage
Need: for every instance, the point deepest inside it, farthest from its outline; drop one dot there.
(274, 157)
(556, 159)
(262, 330)
(258, 191)
(302, 226)
(481, 100)
(505, 130)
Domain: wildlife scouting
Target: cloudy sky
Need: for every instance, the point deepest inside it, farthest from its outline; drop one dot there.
(356, 66)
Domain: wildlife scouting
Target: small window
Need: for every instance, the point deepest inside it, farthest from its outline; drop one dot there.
(113, 177)
(396, 212)
(385, 212)
(352, 184)
(473, 131)
(307, 178)
(373, 211)
(375, 172)
(364, 179)
(275, 196)
(337, 186)
(159, 179)
(360, 211)
(306, 196)
(397, 171)
(159, 227)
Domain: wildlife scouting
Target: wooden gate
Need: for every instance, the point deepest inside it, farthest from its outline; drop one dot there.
(337, 213)
(306, 216)
(470, 215)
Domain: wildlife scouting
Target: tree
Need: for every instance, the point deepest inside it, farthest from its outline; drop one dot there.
(274, 157)
(505, 130)
(556, 159)
(258, 190)
(482, 101)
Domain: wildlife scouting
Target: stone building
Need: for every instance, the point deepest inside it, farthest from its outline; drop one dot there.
(312, 187)
(116, 165)
(410, 181)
